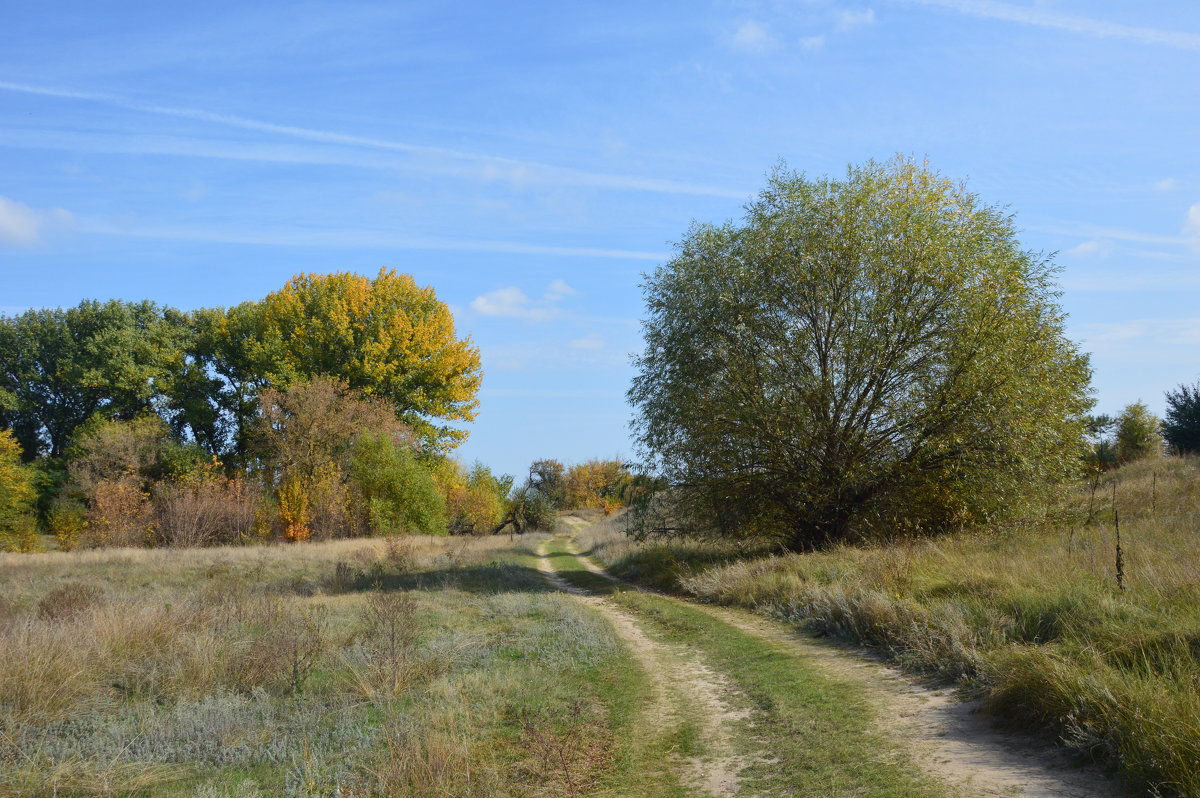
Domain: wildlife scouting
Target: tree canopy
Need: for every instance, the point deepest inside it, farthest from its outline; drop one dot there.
(859, 353)
(202, 371)
(1181, 427)
(385, 336)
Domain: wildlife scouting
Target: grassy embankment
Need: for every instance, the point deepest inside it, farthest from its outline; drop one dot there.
(429, 667)
(1029, 618)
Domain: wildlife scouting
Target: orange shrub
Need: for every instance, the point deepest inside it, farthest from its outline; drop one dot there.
(120, 514)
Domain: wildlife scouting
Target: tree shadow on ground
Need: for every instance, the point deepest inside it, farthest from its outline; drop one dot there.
(487, 578)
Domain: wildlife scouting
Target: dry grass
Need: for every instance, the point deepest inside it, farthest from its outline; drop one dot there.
(176, 672)
(1029, 617)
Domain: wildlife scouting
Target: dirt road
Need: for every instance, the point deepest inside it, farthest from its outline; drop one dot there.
(939, 736)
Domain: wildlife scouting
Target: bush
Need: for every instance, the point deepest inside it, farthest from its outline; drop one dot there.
(532, 510)
(66, 520)
(205, 509)
(1138, 433)
(68, 601)
(120, 514)
(476, 502)
(105, 450)
(596, 484)
(293, 510)
(394, 493)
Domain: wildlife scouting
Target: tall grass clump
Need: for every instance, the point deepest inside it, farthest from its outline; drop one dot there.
(1027, 616)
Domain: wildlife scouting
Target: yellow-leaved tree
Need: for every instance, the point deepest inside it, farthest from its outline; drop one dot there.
(17, 531)
(387, 337)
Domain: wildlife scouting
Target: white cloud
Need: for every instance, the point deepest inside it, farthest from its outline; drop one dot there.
(1028, 15)
(22, 226)
(349, 237)
(1116, 233)
(753, 37)
(514, 303)
(1157, 332)
(1091, 249)
(849, 20)
(558, 290)
(1191, 223)
(482, 166)
(813, 42)
(592, 342)
(1166, 184)
(1129, 280)
(19, 224)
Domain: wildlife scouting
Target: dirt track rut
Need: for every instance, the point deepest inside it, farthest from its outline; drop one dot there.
(947, 737)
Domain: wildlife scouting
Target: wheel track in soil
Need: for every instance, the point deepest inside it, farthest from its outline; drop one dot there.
(947, 738)
(683, 689)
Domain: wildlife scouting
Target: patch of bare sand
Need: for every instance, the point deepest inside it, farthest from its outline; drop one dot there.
(948, 737)
(684, 689)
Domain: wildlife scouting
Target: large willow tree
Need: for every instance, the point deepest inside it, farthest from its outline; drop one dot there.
(856, 356)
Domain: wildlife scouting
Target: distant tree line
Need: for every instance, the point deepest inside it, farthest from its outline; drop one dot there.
(330, 408)
(1136, 433)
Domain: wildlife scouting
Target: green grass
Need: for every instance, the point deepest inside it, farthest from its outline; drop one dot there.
(1028, 617)
(820, 732)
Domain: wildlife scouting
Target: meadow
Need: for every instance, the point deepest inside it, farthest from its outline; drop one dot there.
(1030, 617)
(415, 666)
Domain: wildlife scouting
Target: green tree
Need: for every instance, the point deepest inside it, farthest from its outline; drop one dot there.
(876, 351)
(385, 336)
(1099, 430)
(59, 367)
(1138, 433)
(230, 360)
(1181, 427)
(548, 479)
(396, 492)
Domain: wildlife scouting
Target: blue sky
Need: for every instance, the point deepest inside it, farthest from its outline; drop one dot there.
(531, 160)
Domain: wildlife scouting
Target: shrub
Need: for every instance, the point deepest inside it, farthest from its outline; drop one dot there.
(204, 509)
(329, 503)
(105, 449)
(476, 502)
(67, 521)
(293, 510)
(120, 514)
(68, 601)
(596, 484)
(312, 425)
(532, 509)
(1138, 433)
(395, 494)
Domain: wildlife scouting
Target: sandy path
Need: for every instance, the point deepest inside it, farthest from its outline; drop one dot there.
(684, 689)
(948, 738)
